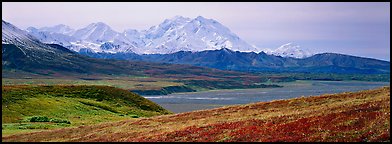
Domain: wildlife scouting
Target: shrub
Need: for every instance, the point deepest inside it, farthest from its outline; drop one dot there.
(46, 119)
(60, 121)
(39, 119)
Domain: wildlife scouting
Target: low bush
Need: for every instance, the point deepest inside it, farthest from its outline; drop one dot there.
(39, 119)
(46, 119)
(60, 121)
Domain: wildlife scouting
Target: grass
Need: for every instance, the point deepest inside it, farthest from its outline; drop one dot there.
(128, 83)
(79, 105)
(344, 117)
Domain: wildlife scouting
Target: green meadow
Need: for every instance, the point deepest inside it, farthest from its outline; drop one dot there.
(68, 106)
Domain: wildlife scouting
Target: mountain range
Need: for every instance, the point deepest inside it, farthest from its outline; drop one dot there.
(22, 51)
(226, 59)
(100, 41)
(172, 35)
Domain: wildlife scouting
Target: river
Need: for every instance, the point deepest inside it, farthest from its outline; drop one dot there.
(191, 101)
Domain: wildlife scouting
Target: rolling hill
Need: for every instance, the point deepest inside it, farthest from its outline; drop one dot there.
(344, 117)
(78, 105)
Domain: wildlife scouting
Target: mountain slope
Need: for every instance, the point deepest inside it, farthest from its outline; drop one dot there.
(345, 117)
(23, 51)
(332, 62)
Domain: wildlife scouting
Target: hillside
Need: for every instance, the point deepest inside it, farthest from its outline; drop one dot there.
(358, 116)
(71, 105)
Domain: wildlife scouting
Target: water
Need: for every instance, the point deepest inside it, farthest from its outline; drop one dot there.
(184, 102)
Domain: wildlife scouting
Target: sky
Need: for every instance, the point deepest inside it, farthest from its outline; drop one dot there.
(354, 28)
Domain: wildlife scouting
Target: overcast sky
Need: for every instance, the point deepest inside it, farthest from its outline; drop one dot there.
(360, 29)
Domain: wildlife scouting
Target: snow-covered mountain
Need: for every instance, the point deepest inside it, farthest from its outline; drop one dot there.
(98, 36)
(185, 34)
(16, 36)
(61, 28)
(54, 34)
(291, 50)
(173, 35)
(95, 37)
(96, 32)
(20, 48)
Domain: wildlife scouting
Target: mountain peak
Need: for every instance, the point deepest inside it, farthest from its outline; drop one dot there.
(288, 46)
(204, 20)
(63, 26)
(200, 18)
(292, 50)
(178, 17)
(98, 24)
(31, 29)
(97, 33)
(60, 28)
(176, 20)
(227, 50)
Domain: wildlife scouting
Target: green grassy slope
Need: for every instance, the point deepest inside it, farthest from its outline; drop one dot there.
(80, 105)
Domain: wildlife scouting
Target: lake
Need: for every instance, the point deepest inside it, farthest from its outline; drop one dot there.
(191, 101)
